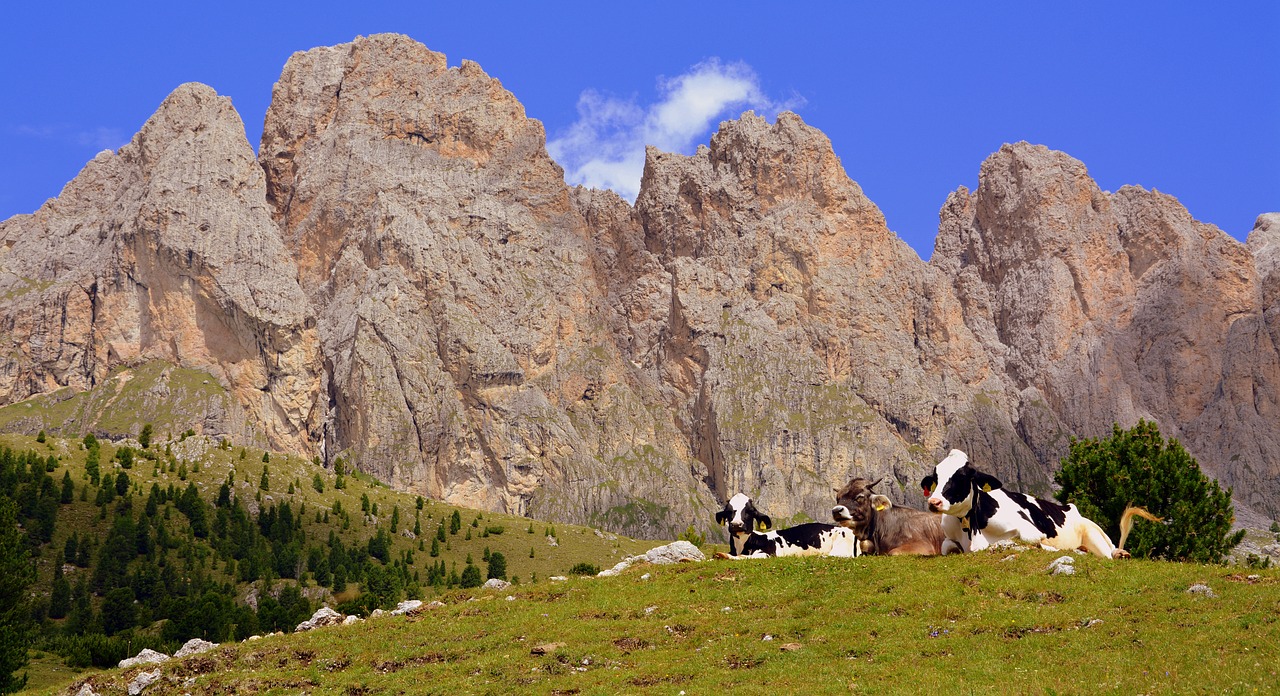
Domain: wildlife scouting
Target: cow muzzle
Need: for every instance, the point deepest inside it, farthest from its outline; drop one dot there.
(937, 504)
(841, 513)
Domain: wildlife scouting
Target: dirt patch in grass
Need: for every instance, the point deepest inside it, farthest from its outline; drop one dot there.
(654, 680)
(743, 662)
(1019, 632)
(336, 665)
(194, 666)
(679, 630)
(626, 644)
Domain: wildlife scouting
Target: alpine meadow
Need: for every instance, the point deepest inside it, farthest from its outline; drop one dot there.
(383, 405)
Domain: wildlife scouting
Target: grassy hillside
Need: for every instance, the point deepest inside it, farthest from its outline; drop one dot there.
(321, 514)
(989, 622)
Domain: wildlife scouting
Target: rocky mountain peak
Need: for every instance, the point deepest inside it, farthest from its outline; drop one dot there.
(1264, 244)
(403, 279)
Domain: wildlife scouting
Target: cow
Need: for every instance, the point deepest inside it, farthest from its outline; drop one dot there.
(979, 512)
(811, 539)
(882, 528)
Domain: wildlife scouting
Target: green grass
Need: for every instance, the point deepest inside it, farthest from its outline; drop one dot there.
(973, 623)
(575, 544)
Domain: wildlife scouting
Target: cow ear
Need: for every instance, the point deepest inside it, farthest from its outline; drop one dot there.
(722, 517)
(986, 482)
(764, 522)
(881, 502)
(928, 483)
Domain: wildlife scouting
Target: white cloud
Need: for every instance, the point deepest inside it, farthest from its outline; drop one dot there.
(604, 148)
(96, 139)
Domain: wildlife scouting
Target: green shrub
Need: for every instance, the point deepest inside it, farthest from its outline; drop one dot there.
(1137, 467)
(584, 568)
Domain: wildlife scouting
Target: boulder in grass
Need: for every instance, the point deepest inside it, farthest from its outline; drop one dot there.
(496, 584)
(147, 656)
(195, 646)
(406, 607)
(142, 681)
(324, 616)
(675, 552)
(1063, 565)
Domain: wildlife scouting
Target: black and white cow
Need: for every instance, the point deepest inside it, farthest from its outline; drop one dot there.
(979, 512)
(811, 539)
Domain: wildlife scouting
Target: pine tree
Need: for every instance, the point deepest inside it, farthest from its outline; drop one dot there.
(470, 576)
(455, 522)
(15, 618)
(497, 566)
(68, 488)
(144, 437)
(265, 482)
(91, 460)
(317, 483)
(1137, 467)
(60, 598)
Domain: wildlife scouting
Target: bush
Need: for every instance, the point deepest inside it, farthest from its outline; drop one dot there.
(1138, 467)
(97, 650)
(470, 577)
(584, 568)
(497, 529)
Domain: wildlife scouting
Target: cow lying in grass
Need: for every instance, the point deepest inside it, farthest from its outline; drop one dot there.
(979, 512)
(882, 528)
(811, 539)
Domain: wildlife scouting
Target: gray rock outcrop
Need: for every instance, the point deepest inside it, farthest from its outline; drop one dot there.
(165, 251)
(145, 657)
(402, 278)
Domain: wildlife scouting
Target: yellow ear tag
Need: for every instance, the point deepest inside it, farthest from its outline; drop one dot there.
(986, 488)
(881, 505)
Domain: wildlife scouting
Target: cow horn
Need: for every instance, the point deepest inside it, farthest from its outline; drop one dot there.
(873, 484)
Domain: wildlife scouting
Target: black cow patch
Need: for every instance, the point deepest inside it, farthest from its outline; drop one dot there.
(1047, 517)
(803, 536)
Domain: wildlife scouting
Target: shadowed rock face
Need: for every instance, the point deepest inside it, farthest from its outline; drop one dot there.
(165, 250)
(403, 279)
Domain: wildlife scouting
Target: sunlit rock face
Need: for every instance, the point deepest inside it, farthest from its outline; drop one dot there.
(401, 278)
(1111, 307)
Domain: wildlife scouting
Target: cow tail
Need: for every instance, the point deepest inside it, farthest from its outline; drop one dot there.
(1126, 521)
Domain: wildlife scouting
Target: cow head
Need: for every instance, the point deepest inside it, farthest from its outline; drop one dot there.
(741, 515)
(856, 502)
(951, 486)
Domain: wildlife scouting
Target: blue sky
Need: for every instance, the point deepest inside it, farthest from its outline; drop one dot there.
(1181, 97)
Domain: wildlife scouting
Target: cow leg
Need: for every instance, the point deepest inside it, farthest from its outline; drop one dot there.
(1096, 541)
(916, 547)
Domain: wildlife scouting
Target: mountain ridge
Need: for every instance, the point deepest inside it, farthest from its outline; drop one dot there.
(403, 278)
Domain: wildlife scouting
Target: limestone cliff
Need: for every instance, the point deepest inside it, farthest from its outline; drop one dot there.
(1108, 308)
(469, 348)
(164, 250)
(403, 279)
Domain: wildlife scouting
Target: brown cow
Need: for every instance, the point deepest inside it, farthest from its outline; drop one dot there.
(883, 528)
